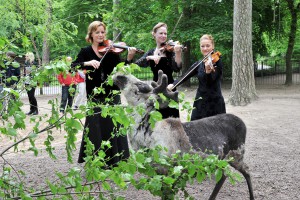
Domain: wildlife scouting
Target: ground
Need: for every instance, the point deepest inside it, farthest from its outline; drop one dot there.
(272, 148)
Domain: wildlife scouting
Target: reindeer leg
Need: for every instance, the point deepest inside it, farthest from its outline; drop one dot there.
(243, 168)
(217, 188)
(248, 180)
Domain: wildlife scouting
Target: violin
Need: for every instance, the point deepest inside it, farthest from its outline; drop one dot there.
(169, 46)
(213, 58)
(117, 48)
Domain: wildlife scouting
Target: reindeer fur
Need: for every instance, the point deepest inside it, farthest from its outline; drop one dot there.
(223, 135)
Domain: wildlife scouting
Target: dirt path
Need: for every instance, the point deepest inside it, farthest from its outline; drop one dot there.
(272, 149)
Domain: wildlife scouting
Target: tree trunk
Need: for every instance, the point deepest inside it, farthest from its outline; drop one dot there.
(186, 62)
(292, 38)
(243, 83)
(116, 32)
(46, 48)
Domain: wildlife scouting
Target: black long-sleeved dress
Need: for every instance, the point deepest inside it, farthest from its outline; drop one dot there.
(100, 128)
(209, 100)
(168, 66)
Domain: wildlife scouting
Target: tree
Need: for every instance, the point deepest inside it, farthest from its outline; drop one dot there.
(294, 9)
(46, 39)
(243, 83)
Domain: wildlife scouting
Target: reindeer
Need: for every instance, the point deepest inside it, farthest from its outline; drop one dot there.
(223, 135)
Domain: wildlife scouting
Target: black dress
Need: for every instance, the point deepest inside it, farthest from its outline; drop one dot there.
(100, 128)
(209, 100)
(168, 66)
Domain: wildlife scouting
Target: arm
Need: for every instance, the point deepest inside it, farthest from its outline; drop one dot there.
(175, 60)
(144, 60)
(60, 78)
(83, 62)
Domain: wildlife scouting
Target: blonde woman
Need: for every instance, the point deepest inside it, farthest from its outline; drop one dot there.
(29, 62)
(209, 100)
(159, 59)
(100, 128)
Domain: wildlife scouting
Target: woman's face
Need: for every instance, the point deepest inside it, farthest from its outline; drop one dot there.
(206, 46)
(99, 35)
(160, 35)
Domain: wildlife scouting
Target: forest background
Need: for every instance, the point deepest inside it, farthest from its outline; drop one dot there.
(55, 28)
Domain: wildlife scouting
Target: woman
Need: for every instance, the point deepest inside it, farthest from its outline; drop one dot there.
(29, 62)
(160, 59)
(100, 128)
(209, 100)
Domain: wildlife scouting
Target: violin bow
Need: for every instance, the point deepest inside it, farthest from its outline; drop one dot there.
(176, 25)
(191, 70)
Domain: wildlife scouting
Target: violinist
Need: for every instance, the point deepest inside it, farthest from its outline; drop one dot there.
(209, 100)
(98, 128)
(162, 58)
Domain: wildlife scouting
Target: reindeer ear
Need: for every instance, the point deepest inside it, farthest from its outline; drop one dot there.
(143, 87)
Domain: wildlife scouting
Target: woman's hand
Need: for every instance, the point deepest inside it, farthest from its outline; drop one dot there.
(156, 59)
(209, 67)
(131, 53)
(178, 48)
(170, 87)
(93, 63)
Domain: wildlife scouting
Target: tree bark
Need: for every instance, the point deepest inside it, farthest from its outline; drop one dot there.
(46, 48)
(116, 32)
(243, 83)
(186, 62)
(291, 43)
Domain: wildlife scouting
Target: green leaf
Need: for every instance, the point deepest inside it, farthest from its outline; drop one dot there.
(106, 186)
(200, 176)
(11, 132)
(169, 180)
(218, 174)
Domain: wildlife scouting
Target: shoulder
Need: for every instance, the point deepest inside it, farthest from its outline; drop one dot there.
(86, 49)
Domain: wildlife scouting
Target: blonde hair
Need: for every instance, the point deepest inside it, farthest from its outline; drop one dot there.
(93, 27)
(30, 57)
(208, 37)
(157, 26)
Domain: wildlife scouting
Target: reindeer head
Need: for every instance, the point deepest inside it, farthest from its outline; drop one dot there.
(137, 91)
(134, 90)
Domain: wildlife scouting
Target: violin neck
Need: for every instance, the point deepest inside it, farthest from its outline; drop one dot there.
(126, 47)
(120, 46)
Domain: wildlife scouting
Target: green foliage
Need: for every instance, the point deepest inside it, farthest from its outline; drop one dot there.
(143, 169)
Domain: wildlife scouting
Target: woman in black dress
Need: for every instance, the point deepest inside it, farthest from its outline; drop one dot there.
(209, 100)
(160, 59)
(100, 128)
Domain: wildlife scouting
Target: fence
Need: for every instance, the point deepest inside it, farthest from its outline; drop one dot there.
(268, 72)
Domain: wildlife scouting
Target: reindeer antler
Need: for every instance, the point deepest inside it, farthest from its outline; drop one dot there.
(161, 87)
